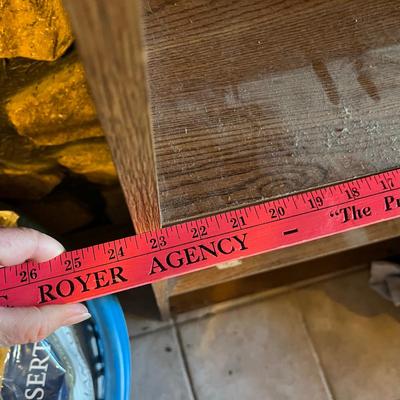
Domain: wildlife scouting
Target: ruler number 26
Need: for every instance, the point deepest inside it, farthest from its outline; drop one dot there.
(24, 275)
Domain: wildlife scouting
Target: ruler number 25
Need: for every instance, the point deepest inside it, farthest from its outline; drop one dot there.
(74, 263)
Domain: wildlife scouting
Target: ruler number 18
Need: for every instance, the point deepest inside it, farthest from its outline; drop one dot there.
(352, 193)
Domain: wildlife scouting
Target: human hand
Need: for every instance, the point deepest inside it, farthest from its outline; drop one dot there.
(21, 325)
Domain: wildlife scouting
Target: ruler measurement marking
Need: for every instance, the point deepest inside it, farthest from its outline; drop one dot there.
(231, 231)
(291, 231)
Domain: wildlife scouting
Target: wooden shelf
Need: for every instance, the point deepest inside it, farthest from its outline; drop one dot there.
(224, 104)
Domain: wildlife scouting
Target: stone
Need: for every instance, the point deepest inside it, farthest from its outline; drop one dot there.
(91, 158)
(38, 30)
(58, 213)
(116, 208)
(8, 219)
(17, 183)
(26, 172)
(55, 109)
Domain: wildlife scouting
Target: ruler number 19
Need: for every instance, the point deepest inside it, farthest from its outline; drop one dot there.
(316, 202)
(24, 275)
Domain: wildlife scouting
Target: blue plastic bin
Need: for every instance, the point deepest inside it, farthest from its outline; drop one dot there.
(114, 345)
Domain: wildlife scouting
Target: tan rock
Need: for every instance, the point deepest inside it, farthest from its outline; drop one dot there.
(8, 219)
(91, 158)
(17, 183)
(56, 109)
(20, 153)
(33, 29)
(25, 170)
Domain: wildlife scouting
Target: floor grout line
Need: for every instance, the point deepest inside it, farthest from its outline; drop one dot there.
(315, 355)
(184, 359)
(254, 298)
(150, 331)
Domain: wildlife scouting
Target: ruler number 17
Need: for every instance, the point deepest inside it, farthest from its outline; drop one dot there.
(387, 184)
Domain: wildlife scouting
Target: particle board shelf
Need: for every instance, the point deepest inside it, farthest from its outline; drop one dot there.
(224, 104)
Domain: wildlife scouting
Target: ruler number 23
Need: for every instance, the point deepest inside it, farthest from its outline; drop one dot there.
(161, 242)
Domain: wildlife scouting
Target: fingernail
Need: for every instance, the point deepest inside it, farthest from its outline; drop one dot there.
(76, 319)
(77, 308)
(75, 313)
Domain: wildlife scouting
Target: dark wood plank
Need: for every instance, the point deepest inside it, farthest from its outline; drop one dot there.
(253, 99)
(109, 35)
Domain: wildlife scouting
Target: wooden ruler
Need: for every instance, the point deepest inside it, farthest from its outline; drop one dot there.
(176, 250)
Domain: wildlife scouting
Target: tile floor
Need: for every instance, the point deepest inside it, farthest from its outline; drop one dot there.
(335, 339)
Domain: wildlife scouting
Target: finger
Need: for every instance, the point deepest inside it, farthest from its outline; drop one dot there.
(32, 324)
(20, 244)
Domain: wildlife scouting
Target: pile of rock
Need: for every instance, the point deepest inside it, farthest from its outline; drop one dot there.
(49, 130)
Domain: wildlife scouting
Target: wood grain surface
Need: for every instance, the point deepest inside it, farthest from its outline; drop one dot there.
(254, 99)
(109, 36)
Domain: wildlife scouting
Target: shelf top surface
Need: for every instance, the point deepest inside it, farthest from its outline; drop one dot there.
(255, 99)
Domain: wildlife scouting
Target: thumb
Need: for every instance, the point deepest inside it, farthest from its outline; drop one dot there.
(22, 325)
